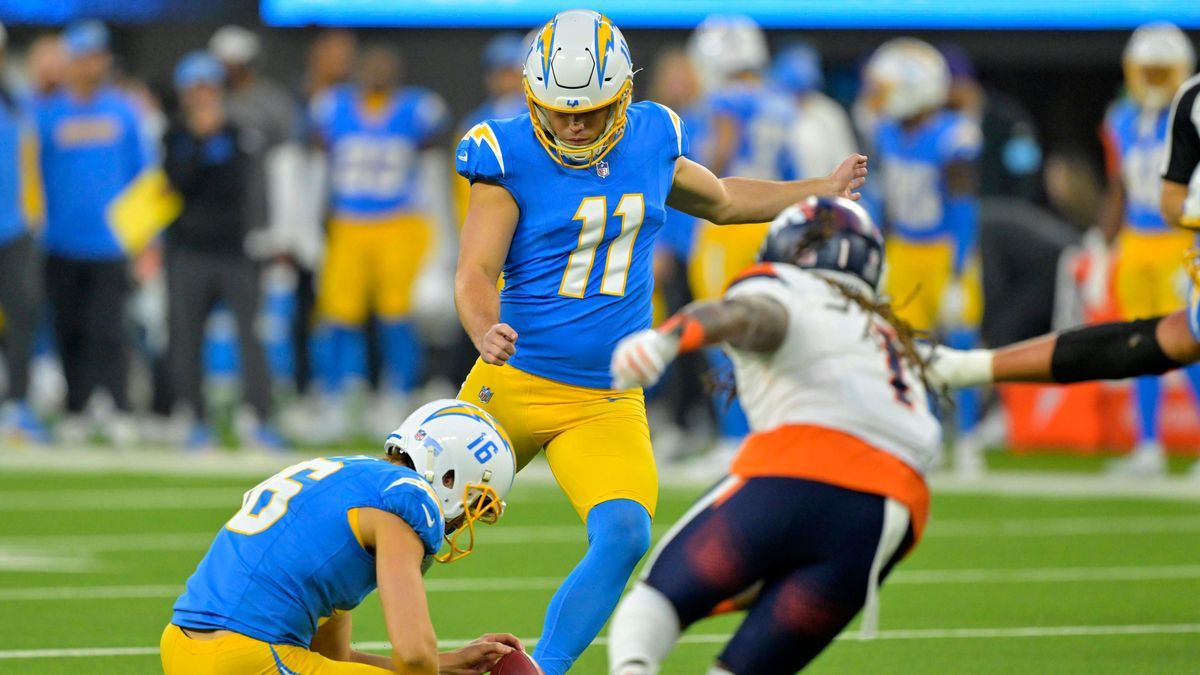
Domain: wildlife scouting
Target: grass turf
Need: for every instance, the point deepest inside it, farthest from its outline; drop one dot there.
(95, 560)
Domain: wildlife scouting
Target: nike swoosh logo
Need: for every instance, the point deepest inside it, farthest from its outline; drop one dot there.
(428, 517)
(462, 157)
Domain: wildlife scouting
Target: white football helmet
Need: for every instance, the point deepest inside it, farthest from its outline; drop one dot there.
(466, 456)
(906, 77)
(578, 62)
(1158, 58)
(726, 44)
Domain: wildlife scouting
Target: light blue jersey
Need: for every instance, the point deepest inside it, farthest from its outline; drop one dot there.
(914, 166)
(578, 273)
(1135, 142)
(374, 167)
(765, 117)
(289, 558)
(91, 150)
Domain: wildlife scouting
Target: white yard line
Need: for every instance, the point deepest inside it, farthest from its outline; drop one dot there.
(714, 638)
(1124, 526)
(258, 465)
(901, 577)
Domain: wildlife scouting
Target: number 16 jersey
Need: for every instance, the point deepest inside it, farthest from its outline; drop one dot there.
(291, 557)
(578, 276)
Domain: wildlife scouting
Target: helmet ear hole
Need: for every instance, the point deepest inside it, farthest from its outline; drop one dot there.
(448, 479)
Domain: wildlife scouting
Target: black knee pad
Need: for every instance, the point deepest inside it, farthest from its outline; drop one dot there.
(1110, 351)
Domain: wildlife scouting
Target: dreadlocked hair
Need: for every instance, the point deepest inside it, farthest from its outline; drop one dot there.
(905, 335)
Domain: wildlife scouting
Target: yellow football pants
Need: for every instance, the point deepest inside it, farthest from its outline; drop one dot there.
(1150, 279)
(597, 441)
(916, 277)
(372, 265)
(240, 655)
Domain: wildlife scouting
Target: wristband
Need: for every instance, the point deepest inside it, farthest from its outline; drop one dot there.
(687, 329)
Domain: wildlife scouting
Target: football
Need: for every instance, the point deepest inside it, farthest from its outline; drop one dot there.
(516, 663)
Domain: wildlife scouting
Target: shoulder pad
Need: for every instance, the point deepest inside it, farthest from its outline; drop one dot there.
(479, 155)
(413, 500)
(677, 128)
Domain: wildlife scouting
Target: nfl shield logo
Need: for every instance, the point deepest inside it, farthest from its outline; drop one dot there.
(420, 435)
(602, 169)
(485, 395)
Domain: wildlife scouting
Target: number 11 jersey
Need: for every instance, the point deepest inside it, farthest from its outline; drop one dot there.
(578, 276)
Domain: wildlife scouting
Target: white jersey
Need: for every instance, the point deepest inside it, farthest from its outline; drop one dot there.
(839, 367)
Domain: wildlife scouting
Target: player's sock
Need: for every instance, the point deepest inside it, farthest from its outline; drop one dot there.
(403, 357)
(341, 350)
(618, 537)
(1148, 391)
(643, 631)
(967, 402)
(1193, 375)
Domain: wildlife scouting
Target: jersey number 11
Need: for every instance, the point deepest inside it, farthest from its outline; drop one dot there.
(593, 213)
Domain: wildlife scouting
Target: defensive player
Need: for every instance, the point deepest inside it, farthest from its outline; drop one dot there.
(274, 592)
(566, 201)
(1115, 350)
(1149, 272)
(374, 134)
(827, 493)
(928, 157)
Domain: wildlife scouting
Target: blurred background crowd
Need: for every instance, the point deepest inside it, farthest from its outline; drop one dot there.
(222, 235)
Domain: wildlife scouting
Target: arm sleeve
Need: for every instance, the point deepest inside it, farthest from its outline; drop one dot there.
(1183, 151)
(479, 155)
(413, 501)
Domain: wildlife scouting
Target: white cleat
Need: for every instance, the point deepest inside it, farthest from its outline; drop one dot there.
(969, 463)
(1147, 460)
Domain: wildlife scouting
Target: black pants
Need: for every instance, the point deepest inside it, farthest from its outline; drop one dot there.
(21, 301)
(811, 545)
(88, 301)
(196, 281)
(302, 325)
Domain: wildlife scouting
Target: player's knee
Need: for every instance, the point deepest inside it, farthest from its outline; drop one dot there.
(620, 528)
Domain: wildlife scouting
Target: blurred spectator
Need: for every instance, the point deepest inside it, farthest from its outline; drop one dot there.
(46, 65)
(380, 232)
(206, 258)
(20, 287)
(91, 150)
(674, 83)
(258, 107)
(503, 63)
(1011, 159)
(821, 135)
(330, 61)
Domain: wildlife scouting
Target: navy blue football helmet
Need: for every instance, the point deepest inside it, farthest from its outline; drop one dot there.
(827, 233)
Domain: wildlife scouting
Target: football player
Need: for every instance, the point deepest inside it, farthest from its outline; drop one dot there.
(374, 133)
(750, 119)
(275, 590)
(821, 132)
(1144, 347)
(567, 201)
(842, 436)
(1149, 272)
(928, 157)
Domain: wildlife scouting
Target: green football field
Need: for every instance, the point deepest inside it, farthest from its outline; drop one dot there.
(1069, 580)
